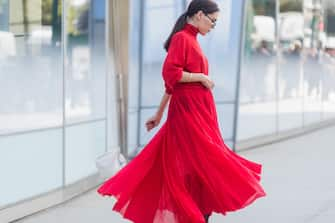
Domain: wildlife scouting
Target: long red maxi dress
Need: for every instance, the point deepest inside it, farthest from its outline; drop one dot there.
(186, 170)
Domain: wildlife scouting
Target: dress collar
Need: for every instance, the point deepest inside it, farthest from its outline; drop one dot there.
(191, 29)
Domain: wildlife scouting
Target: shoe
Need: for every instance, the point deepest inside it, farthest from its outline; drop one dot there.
(206, 216)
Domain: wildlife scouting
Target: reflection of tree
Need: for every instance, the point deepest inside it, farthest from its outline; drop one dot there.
(47, 12)
(76, 16)
(249, 29)
(25, 16)
(330, 17)
(291, 5)
(265, 7)
(328, 61)
(56, 21)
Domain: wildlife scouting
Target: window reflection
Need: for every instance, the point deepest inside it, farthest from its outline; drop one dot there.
(30, 53)
(313, 30)
(85, 54)
(328, 59)
(291, 36)
(290, 85)
(258, 71)
(259, 60)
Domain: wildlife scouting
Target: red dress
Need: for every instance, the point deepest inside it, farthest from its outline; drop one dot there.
(186, 170)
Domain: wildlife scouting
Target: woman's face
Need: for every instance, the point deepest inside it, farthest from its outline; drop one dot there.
(206, 22)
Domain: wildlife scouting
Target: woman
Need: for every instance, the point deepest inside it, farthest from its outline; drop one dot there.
(186, 171)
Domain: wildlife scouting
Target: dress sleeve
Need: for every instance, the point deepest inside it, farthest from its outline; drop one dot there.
(174, 62)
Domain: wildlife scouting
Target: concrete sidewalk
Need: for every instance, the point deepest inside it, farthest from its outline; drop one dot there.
(298, 176)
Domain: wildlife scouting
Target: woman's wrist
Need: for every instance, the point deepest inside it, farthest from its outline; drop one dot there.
(195, 77)
(159, 113)
(200, 77)
(191, 76)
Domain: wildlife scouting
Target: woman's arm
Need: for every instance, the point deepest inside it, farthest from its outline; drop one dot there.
(162, 105)
(191, 77)
(197, 77)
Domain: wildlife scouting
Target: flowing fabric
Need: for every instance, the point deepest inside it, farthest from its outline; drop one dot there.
(186, 170)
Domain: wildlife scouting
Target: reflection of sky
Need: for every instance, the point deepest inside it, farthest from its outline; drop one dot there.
(99, 9)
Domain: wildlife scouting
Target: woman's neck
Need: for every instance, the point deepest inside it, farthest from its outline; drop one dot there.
(192, 22)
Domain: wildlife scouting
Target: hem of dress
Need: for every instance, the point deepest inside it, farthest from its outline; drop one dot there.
(248, 202)
(113, 208)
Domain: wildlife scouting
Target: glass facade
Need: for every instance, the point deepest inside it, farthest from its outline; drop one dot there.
(53, 110)
(272, 76)
(287, 66)
(257, 93)
(272, 61)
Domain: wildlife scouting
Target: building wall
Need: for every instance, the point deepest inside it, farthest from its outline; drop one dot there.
(54, 80)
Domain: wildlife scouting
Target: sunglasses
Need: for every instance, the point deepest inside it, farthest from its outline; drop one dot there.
(212, 20)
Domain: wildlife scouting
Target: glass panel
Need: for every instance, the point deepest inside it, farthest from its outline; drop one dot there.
(258, 71)
(226, 120)
(113, 129)
(155, 33)
(30, 64)
(328, 85)
(30, 164)
(221, 46)
(132, 130)
(86, 62)
(159, 3)
(312, 63)
(4, 15)
(83, 143)
(229, 143)
(134, 74)
(291, 35)
(150, 60)
(134, 53)
(256, 119)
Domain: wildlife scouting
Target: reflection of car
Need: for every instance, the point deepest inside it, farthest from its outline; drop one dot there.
(330, 45)
(291, 26)
(264, 29)
(7, 44)
(263, 37)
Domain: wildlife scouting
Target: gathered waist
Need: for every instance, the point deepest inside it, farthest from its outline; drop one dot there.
(190, 85)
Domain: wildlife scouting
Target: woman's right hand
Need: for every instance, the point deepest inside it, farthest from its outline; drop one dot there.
(153, 121)
(206, 81)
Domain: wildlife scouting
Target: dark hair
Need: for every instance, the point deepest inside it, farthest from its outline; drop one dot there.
(207, 6)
